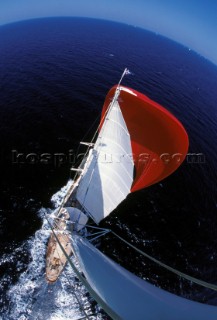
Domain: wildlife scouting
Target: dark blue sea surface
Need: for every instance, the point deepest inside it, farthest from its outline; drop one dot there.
(54, 76)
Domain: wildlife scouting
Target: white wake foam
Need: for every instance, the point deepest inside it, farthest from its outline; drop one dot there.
(32, 297)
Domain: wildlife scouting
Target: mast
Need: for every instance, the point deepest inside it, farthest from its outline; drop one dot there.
(117, 91)
(126, 71)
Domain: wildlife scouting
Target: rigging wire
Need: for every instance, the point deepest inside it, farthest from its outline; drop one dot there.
(165, 266)
(86, 316)
(84, 137)
(117, 91)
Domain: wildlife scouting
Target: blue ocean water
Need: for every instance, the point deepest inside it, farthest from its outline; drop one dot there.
(54, 75)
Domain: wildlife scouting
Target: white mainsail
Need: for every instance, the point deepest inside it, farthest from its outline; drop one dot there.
(108, 175)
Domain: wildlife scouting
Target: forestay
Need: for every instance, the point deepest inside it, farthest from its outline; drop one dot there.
(108, 175)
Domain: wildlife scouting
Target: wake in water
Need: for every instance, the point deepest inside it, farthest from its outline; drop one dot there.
(33, 298)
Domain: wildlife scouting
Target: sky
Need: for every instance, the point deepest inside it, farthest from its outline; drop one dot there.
(192, 23)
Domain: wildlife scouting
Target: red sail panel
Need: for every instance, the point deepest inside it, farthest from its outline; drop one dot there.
(159, 141)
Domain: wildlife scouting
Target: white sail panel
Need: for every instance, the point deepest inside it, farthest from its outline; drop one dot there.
(108, 175)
